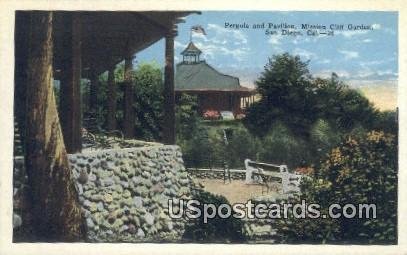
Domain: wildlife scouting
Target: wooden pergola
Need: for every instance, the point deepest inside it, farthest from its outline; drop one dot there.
(89, 43)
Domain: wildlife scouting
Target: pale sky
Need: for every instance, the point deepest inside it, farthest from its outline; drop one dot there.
(360, 57)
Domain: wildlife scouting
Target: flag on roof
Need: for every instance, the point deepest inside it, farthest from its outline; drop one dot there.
(198, 29)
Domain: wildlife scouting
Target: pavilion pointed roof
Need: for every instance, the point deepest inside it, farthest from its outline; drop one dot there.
(191, 49)
(197, 75)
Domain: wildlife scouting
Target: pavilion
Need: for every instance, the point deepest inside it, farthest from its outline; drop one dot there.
(214, 90)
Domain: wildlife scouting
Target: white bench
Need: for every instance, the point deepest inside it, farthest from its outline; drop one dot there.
(290, 182)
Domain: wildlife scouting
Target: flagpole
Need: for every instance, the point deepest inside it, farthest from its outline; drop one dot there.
(190, 35)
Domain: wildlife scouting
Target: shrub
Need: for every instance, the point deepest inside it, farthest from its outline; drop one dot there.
(186, 116)
(242, 145)
(198, 149)
(322, 138)
(216, 230)
(362, 170)
(280, 146)
(147, 82)
(387, 122)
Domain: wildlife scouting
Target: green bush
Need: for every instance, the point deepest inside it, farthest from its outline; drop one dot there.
(361, 170)
(280, 146)
(216, 230)
(387, 122)
(198, 149)
(322, 139)
(148, 101)
(242, 145)
(147, 81)
(187, 118)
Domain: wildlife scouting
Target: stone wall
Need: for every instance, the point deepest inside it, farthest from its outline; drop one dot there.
(124, 192)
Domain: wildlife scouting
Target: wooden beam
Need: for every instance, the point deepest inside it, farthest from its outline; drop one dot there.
(111, 100)
(106, 33)
(70, 93)
(169, 94)
(129, 118)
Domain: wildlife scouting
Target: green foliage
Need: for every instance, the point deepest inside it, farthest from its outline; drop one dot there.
(197, 150)
(289, 94)
(342, 106)
(323, 138)
(387, 122)
(216, 230)
(312, 114)
(186, 116)
(280, 146)
(242, 145)
(192, 136)
(147, 82)
(361, 170)
(286, 95)
(203, 145)
(148, 101)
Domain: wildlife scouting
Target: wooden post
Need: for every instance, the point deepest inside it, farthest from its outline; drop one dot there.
(129, 120)
(70, 92)
(169, 94)
(111, 100)
(55, 209)
(93, 93)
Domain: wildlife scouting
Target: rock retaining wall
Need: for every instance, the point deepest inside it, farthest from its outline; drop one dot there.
(124, 193)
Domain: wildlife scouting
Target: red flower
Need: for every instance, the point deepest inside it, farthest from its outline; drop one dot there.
(304, 170)
(211, 115)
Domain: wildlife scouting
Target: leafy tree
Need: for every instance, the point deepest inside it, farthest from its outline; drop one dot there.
(289, 94)
(343, 106)
(285, 87)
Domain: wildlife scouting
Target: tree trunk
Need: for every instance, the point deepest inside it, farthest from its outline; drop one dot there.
(111, 103)
(56, 212)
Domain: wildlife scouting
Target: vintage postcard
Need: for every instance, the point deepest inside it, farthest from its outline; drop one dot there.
(192, 126)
